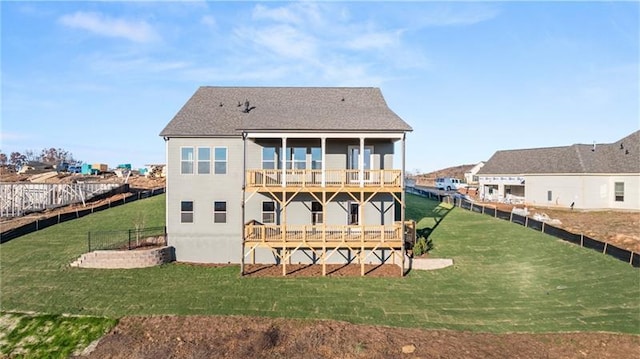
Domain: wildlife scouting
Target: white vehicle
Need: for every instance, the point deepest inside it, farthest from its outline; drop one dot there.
(448, 183)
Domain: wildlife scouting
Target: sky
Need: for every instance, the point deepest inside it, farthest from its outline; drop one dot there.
(102, 79)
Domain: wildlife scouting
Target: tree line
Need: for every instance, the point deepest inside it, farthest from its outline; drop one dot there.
(51, 156)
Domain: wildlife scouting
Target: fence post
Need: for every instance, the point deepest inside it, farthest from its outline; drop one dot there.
(605, 248)
(129, 239)
(581, 240)
(89, 240)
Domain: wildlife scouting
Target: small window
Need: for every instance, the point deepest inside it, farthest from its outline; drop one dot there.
(619, 191)
(268, 212)
(204, 160)
(549, 196)
(316, 213)
(186, 211)
(186, 160)
(220, 160)
(219, 212)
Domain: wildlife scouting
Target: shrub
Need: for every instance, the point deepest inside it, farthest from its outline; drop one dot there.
(422, 246)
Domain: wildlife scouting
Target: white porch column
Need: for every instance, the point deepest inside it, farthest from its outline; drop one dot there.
(361, 162)
(323, 145)
(283, 156)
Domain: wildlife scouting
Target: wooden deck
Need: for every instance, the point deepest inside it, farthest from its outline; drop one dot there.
(326, 240)
(316, 179)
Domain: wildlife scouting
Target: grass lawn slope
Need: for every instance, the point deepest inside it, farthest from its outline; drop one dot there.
(506, 278)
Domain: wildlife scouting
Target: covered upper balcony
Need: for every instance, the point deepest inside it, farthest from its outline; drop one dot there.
(325, 179)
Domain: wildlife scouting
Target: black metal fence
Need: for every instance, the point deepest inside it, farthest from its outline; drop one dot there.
(127, 239)
(43, 223)
(622, 254)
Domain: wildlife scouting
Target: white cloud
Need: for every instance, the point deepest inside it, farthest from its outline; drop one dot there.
(374, 40)
(137, 31)
(448, 16)
(208, 20)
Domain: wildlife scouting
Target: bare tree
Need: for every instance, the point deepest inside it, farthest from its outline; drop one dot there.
(55, 155)
(17, 159)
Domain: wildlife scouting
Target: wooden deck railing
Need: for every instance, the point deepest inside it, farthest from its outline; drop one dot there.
(274, 234)
(332, 178)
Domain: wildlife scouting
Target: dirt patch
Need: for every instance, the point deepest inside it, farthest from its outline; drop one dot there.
(620, 228)
(255, 337)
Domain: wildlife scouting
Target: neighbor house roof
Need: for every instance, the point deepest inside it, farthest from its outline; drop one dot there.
(227, 111)
(622, 156)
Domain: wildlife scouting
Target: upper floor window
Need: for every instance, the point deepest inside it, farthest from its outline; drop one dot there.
(220, 166)
(269, 158)
(186, 160)
(297, 158)
(619, 191)
(316, 158)
(186, 211)
(204, 160)
(219, 212)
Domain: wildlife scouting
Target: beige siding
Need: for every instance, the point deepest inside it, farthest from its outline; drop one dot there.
(203, 240)
(586, 191)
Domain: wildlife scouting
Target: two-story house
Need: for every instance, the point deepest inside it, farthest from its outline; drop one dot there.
(286, 175)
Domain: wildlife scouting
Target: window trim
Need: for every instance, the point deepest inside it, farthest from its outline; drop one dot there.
(225, 161)
(216, 211)
(193, 160)
(183, 212)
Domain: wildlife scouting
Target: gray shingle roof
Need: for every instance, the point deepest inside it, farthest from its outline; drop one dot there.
(218, 111)
(578, 158)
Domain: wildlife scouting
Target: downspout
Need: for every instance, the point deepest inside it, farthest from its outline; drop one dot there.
(166, 190)
(402, 197)
(244, 186)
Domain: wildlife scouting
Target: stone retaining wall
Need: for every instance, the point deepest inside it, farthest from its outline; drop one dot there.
(139, 258)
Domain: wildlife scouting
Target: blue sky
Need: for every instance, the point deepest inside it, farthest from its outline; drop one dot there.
(102, 79)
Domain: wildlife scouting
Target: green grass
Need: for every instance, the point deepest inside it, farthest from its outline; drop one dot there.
(47, 335)
(506, 278)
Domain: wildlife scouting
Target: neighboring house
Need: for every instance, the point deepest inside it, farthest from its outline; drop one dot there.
(598, 176)
(471, 176)
(286, 175)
